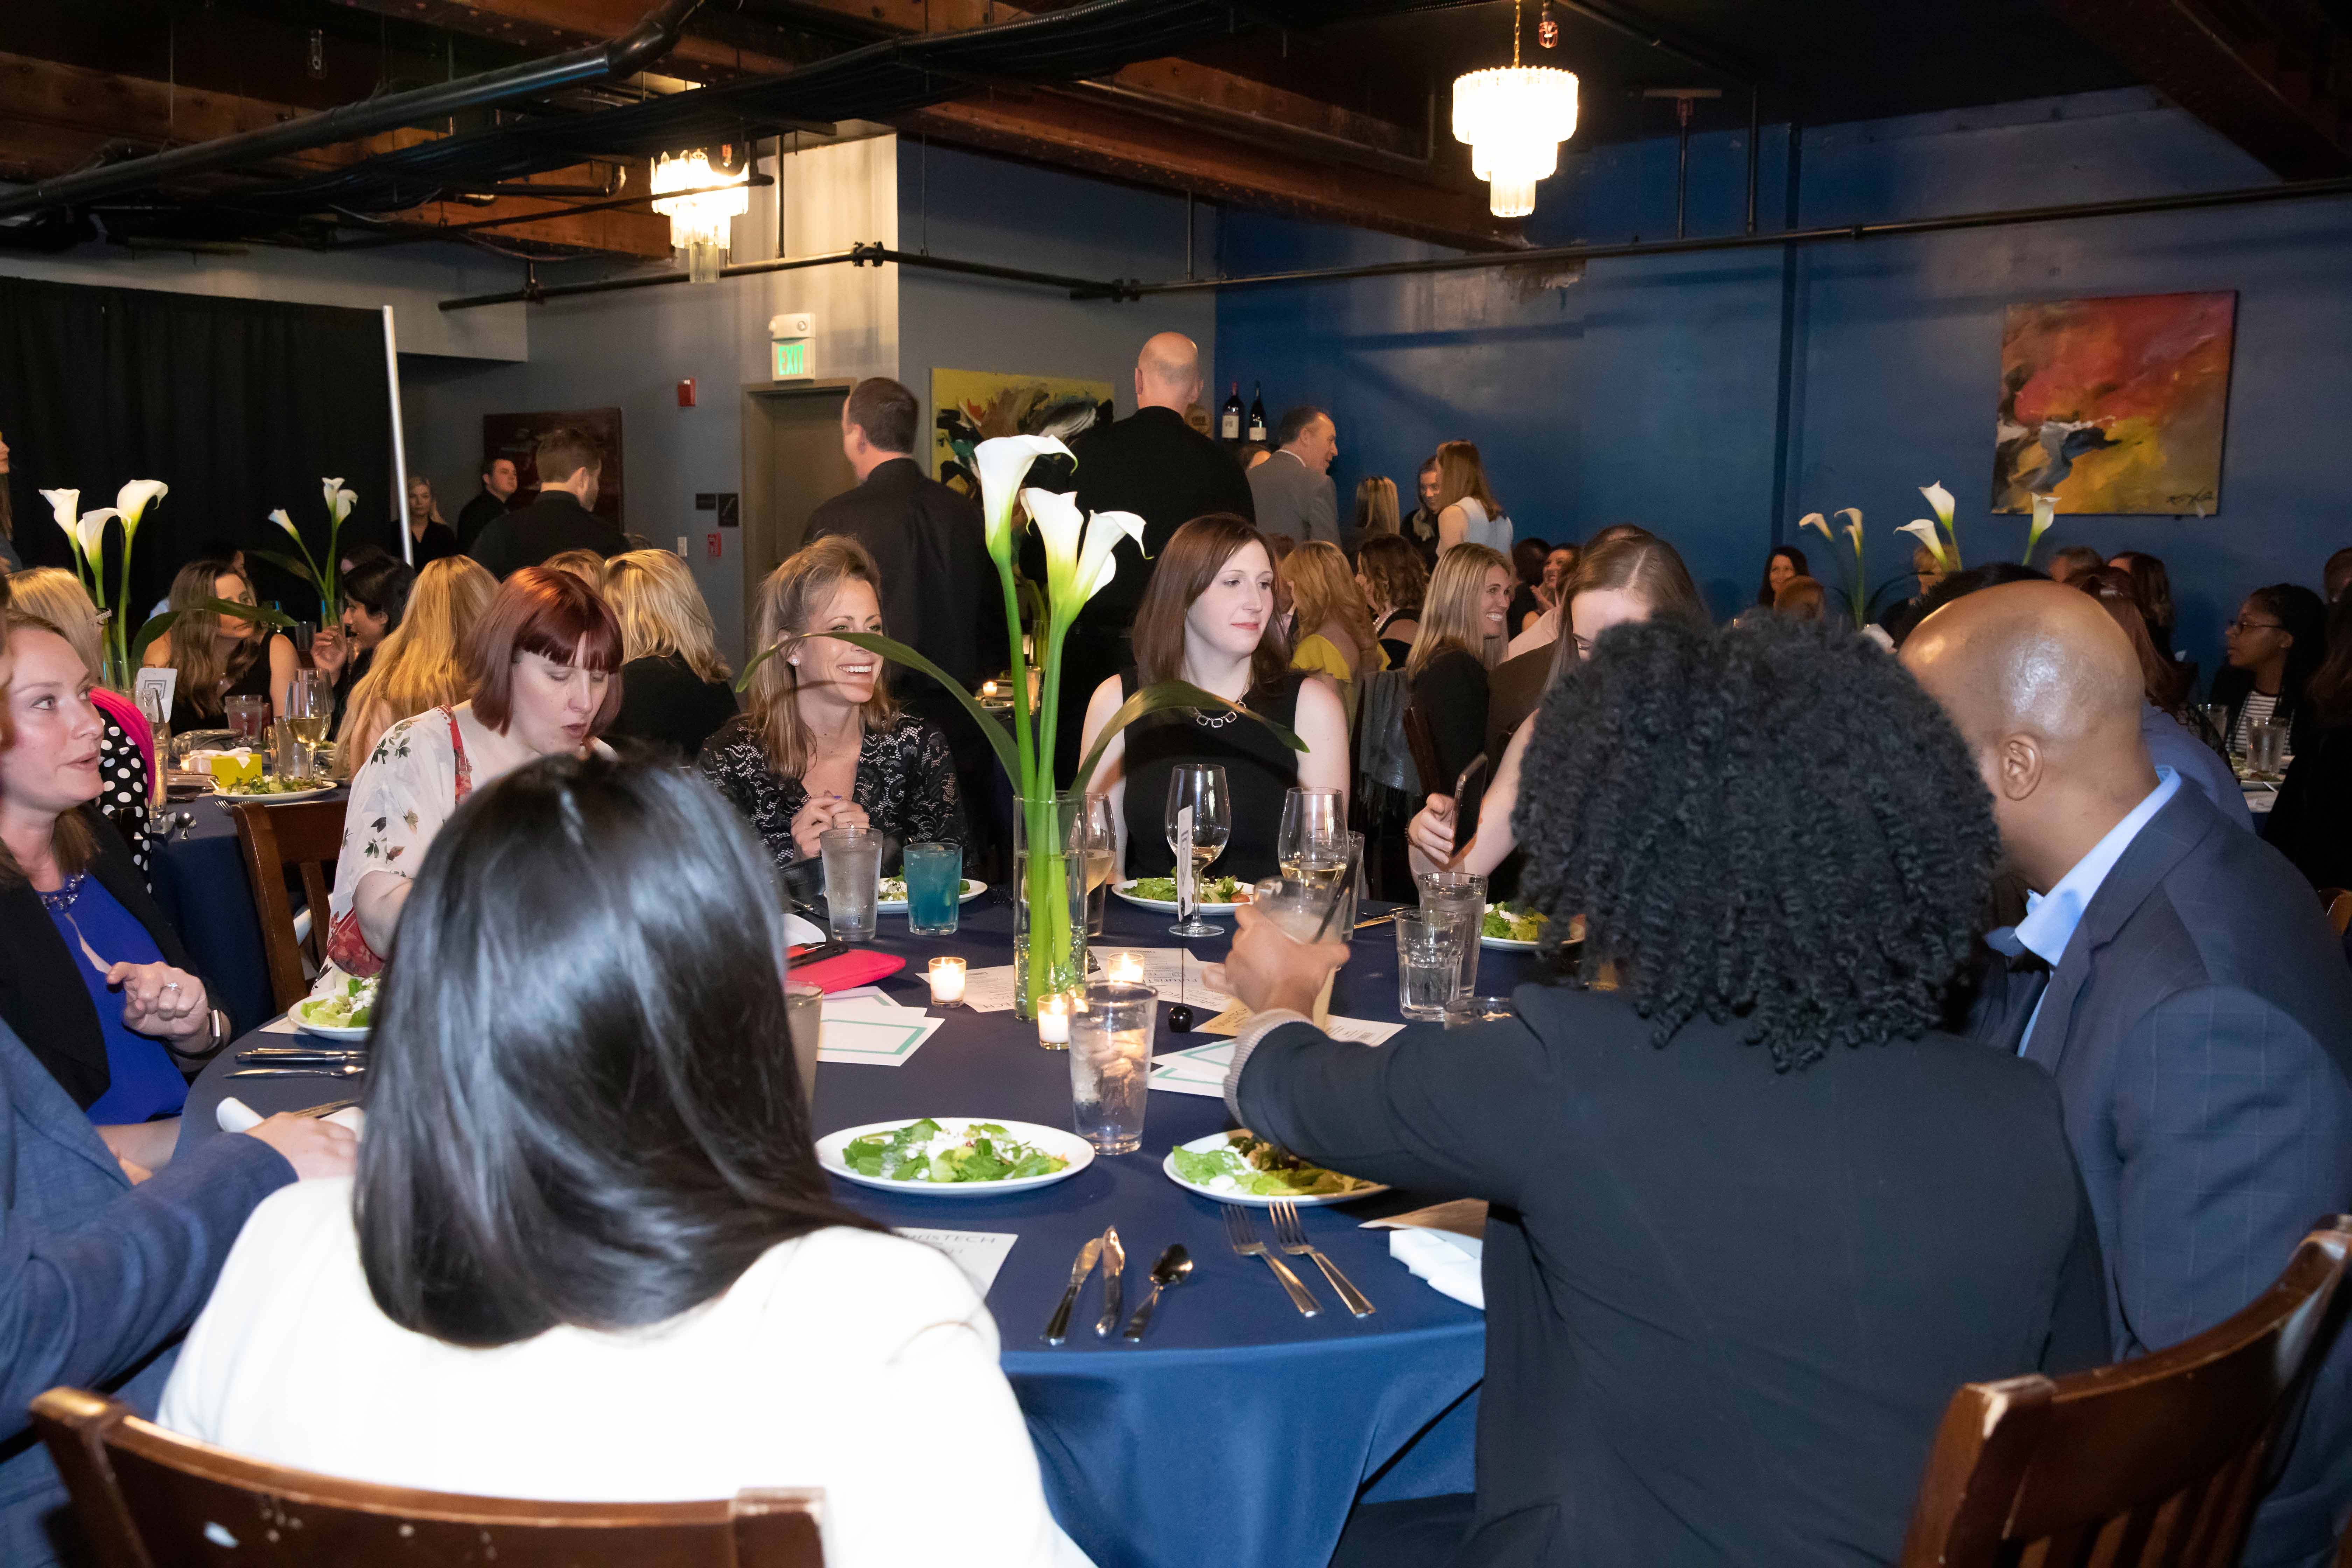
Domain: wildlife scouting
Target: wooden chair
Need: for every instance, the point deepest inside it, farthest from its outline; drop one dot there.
(2338, 905)
(2154, 1461)
(308, 834)
(149, 1498)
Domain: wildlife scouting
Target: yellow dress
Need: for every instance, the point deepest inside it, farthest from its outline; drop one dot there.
(1318, 654)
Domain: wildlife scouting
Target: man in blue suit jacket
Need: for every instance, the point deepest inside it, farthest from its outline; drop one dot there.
(100, 1277)
(2176, 977)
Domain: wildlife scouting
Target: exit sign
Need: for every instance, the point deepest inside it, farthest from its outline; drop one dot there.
(790, 335)
(791, 359)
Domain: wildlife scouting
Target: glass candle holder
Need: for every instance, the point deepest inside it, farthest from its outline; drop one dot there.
(1126, 968)
(947, 982)
(1054, 1021)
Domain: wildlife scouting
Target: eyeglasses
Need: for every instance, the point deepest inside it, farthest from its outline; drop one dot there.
(2244, 624)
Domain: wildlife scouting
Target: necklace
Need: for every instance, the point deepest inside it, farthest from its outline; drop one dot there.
(1241, 705)
(62, 901)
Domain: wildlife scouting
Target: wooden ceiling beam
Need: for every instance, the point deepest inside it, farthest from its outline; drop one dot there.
(550, 27)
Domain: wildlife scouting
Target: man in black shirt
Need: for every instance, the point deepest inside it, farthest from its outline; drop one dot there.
(489, 505)
(561, 518)
(1153, 464)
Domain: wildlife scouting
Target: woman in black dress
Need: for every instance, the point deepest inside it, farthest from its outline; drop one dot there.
(1463, 635)
(1390, 571)
(218, 658)
(822, 745)
(1208, 617)
(675, 688)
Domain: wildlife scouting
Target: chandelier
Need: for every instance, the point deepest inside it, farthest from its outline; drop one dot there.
(1514, 119)
(698, 222)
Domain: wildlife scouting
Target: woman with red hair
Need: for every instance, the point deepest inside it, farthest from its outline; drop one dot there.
(542, 663)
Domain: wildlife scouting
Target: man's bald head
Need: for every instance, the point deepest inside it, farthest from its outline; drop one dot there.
(1168, 372)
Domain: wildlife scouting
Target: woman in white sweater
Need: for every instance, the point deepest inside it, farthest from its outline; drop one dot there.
(590, 1254)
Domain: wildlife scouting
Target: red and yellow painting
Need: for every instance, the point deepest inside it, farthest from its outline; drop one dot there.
(2115, 406)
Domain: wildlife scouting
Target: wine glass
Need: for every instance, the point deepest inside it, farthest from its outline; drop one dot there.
(1101, 831)
(1198, 809)
(310, 709)
(1312, 822)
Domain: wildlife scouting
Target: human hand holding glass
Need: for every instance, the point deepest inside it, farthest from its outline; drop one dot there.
(1198, 809)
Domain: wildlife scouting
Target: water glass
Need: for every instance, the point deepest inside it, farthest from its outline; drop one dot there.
(804, 1020)
(2213, 725)
(934, 874)
(2266, 748)
(1429, 963)
(852, 871)
(248, 719)
(1296, 908)
(1460, 897)
(1111, 1026)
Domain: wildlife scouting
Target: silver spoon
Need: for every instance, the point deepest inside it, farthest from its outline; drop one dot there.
(1173, 1266)
(346, 1069)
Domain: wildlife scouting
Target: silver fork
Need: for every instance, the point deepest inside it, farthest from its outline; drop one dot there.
(1243, 1237)
(1291, 1237)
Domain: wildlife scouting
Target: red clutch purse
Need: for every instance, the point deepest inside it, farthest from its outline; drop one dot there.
(848, 970)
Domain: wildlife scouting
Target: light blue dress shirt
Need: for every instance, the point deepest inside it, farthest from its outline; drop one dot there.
(2052, 918)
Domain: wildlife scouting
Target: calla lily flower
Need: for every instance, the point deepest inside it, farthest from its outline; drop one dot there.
(133, 499)
(1080, 553)
(338, 499)
(1816, 522)
(1940, 500)
(2045, 509)
(1852, 530)
(1924, 529)
(89, 533)
(286, 523)
(65, 506)
(1004, 462)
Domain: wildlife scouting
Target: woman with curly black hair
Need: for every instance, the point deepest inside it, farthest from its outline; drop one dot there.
(1753, 1218)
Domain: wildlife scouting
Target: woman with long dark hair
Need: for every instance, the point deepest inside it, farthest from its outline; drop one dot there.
(1753, 1217)
(2151, 588)
(219, 656)
(2278, 640)
(1782, 567)
(587, 1192)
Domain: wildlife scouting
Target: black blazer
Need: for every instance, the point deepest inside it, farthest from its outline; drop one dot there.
(550, 525)
(1452, 692)
(1726, 1307)
(1154, 464)
(41, 993)
(2311, 824)
(2231, 688)
(939, 590)
(664, 704)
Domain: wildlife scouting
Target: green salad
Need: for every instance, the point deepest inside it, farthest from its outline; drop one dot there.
(893, 889)
(925, 1152)
(1211, 890)
(273, 784)
(352, 1007)
(1515, 923)
(1248, 1164)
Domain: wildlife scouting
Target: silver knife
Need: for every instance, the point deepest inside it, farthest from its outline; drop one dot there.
(337, 1070)
(1058, 1329)
(1114, 1279)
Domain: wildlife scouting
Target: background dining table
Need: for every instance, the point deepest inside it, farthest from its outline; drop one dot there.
(197, 875)
(1239, 1432)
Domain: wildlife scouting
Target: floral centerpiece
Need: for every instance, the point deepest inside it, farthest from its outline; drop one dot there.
(327, 579)
(86, 537)
(1081, 561)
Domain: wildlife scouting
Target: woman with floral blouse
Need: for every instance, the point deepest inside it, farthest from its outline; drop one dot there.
(821, 745)
(542, 661)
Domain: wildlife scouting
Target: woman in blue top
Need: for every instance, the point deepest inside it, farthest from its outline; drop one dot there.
(72, 904)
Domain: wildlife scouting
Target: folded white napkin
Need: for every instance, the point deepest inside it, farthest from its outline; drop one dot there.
(1444, 1245)
(235, 1116)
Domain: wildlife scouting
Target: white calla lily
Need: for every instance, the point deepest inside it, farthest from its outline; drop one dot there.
(133, 499)
(66, 506)
(1924, 529)
(89, 535)
(1852, 529)
(1004, 462)
(1816, 522)
(1098, 564)
(338, 499)
(286, 523)
(2045, 509)
(1940, 500)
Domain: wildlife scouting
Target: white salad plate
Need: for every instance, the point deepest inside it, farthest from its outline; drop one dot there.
(1051, 1139)
(276, 798)
(1250, 1200)
(326, 1031)
(972, 890)
(1167, 906)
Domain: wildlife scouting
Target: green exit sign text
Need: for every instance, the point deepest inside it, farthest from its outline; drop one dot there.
(791, 359)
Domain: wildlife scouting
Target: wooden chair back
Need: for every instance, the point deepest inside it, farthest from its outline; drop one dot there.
(149, 1498)
(2337, 902)
(2154, 1461)
(308, 834)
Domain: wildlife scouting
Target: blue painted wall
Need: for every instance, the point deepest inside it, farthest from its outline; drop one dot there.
(1650, 390)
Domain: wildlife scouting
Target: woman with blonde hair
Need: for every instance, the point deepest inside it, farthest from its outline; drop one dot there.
(126, 742)
(421, 664)
(1464, 619)
(822, 745)
(1376, 507)
(1334, 635)
(219, 656)
(1467, 512)
(675, 688)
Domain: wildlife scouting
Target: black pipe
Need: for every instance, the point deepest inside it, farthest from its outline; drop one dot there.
(1753, 131)
(856, 255)
(418, 233)
(653, 37)
(2246, 196)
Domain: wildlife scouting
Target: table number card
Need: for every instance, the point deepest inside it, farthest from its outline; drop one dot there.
(979, 1253)
(1186, 895)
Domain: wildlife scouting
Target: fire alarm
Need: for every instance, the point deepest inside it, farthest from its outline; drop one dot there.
(713, 545)
(686, 393)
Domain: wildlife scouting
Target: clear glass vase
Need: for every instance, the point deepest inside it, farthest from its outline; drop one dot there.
(1049, 898)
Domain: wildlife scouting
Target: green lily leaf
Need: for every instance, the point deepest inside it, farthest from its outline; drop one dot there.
(285, 563)
(1163, 695)
(158, 624)
(900, 653)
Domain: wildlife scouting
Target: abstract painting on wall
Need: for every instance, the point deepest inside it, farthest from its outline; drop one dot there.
(969, 406)
(2115, 406)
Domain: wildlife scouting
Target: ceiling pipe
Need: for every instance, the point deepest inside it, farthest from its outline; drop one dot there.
(651, 39)
(855, 256)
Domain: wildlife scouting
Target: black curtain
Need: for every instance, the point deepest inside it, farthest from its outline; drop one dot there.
(241, 405)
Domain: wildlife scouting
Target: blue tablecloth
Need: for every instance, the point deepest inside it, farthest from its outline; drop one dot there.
(1240, 1433)
(200, 883)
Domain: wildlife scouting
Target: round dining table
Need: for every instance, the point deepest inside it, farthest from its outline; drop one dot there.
(1238, 1431)
(197, 871)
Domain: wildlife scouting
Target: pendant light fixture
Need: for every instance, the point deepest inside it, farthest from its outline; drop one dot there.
(700, 222)
(1514, 119)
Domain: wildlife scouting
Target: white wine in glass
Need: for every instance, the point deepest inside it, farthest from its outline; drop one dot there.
(1200, 789)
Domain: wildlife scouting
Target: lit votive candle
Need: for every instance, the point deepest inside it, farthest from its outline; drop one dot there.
(1053, 1020)
(1127, 967)
(947, 981)
(988, 688)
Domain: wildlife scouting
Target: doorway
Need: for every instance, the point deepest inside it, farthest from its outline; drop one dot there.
(792, 461)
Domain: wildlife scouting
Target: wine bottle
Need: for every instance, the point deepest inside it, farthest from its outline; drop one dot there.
(1257, 411)
(1230, 426)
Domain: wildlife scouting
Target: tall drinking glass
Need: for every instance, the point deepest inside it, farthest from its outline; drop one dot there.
(934, 875)
(1299, 910)
(1102, 858)
(248, 719)
(1111, 1026)
(2266, 748)
(852, 870)
(1459, 896)
(1199, 813)
(804, 1020)
(1429, 960)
